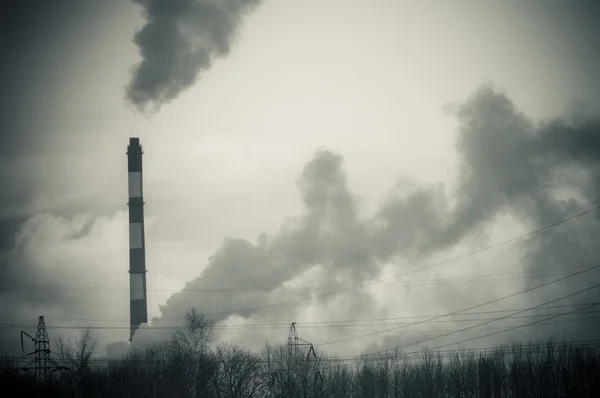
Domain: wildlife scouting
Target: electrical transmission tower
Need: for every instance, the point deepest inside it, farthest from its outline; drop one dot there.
(284, 382)
(294, 342)
(42, 364)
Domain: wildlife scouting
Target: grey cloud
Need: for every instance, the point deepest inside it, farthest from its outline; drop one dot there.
(512, 164)
(117, 350)
(409, 222)
(509, 165)
(238, 265)
(328, 234)
(180, 41)
(48, 268)
(32, 38)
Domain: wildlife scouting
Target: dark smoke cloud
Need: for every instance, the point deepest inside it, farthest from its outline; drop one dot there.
(509, 165)
(537, 172)
(180, 41)
(329, 234)
(35, 37)
(50, 262)
(29, 33)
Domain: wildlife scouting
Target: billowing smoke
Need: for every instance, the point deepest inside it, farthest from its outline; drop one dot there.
(179, 41)
(538, 173)
(63, 268)
(328, 240)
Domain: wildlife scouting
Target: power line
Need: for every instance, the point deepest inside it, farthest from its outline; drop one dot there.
(588, 343)
(330, 326)
(514, 239)
(279, 327)
(18, 325)
(435, 315)
(529, 347)
(516, 327)
(417, 282)
(352, 287)
(356, 286)
(340, 321)
(468, 308)
(351, 328)
(504, 317)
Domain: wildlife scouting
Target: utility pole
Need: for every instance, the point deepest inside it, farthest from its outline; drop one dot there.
(41, 364)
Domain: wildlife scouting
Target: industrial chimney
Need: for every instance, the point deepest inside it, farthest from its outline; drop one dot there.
(138, 312)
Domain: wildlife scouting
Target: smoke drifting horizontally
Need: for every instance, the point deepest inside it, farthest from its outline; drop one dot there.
(178, 42)
(509, 165)
(537, 172)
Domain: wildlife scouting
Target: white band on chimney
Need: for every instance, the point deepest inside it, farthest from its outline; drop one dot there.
(136, 284)
(135, 184)
(135, 236)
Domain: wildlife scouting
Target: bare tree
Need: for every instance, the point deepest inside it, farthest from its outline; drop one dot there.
(240, 373)
(186, 362)
(77, 354)
(198, 332)
(172, 370)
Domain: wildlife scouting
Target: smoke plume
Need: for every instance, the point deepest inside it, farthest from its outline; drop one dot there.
(536, 172)
(510, 165)
(179, 41)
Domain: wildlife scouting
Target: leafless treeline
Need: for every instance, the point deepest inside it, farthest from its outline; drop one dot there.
(185, 366)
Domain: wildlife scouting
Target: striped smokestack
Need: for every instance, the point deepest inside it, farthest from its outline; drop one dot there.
(138, 312)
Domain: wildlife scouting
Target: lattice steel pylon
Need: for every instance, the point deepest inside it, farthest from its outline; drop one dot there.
(294, 342)
(41, 364)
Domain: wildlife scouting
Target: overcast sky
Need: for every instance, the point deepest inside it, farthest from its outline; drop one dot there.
(365, 139)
